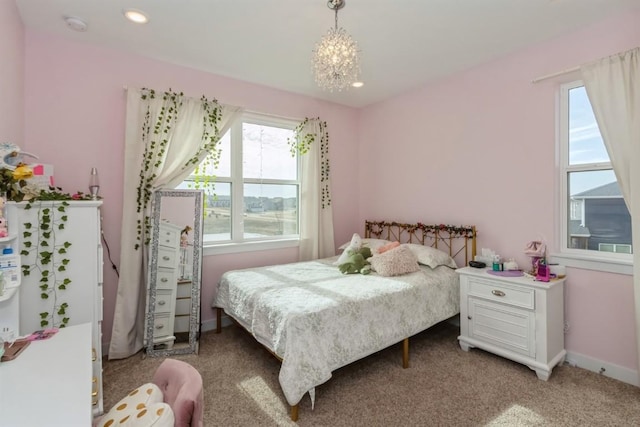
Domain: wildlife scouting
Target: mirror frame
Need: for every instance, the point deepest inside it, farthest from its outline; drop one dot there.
(196, 285)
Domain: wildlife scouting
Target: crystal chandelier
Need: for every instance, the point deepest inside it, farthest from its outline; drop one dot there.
(335, 58)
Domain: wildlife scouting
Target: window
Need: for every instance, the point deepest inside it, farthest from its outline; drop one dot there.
(254, 192)
(595, 221)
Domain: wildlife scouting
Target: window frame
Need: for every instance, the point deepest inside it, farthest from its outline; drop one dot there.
(579, 258)
(238, 243)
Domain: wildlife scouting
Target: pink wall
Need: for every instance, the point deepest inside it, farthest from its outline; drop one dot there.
(75, 120)
(486, 136)
(11, 74)
(479, 148)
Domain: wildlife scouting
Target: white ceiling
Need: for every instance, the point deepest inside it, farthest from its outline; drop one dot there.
(403, 43)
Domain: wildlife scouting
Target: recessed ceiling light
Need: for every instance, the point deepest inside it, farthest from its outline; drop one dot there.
(357, 84)
(135, 15)
(75, 23)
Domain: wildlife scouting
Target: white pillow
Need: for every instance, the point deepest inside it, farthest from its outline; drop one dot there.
(395, 262)
(431, 256)
(144, 406)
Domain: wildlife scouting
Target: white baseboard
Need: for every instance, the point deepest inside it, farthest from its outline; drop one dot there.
(607, 369)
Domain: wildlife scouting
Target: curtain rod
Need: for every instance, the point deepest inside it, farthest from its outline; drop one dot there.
(552, 75)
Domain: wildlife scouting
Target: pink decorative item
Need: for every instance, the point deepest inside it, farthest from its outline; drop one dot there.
(537, 250)
(4, 232)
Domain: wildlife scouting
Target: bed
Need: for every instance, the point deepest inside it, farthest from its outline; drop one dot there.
(315, 319)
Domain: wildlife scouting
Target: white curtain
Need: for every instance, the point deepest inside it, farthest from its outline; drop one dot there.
(167, 136)
(613, 87)
(316, 213)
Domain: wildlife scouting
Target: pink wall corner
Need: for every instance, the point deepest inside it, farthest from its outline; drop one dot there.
(479, 147)
(12, 74)
(600, 313)
(75, 120)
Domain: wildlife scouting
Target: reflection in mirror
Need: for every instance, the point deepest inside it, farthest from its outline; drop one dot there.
(175, 265)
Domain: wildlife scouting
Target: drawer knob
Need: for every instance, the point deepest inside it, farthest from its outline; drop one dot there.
(164, 280)
(159, 326)
(166, 258)
(498, 293)
(161, 302)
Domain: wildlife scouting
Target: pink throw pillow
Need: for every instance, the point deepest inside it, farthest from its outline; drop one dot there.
(388, 247)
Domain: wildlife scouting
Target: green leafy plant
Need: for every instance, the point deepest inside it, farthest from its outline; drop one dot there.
(51, 258)
(300, 145)
(155, 134)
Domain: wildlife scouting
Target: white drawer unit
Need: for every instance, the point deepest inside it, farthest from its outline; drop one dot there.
(82, 298)
(514, 317)
(183, 306)
(166, 284)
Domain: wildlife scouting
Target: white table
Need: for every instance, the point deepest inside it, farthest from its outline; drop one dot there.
(49, 383)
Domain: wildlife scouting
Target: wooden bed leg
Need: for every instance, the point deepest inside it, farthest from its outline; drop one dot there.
(218, 320)
(405, 353)
(294, 413)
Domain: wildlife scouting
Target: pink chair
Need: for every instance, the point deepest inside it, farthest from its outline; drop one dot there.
(181, 385)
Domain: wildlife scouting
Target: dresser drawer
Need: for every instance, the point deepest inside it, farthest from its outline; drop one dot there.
(162, 326)
(182, 323)
(167, 257)
(165, 278)
(504, 293)
(183, 306)
(168, 237)
(164, 299)
(184, 290)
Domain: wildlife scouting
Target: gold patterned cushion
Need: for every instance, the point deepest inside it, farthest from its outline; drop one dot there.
(142, 407)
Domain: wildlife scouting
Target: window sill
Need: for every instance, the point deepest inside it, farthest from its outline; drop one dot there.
(232, 248)
(586, 262)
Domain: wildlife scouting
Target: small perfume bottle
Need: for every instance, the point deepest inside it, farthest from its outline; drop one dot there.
(94, 184)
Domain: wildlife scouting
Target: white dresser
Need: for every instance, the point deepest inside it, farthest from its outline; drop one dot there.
(73, 273)
(10, 266)
(183, 307)
(166, 283)
(50, 382)
(514, 317)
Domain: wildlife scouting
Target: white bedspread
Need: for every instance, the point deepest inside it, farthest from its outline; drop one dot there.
(318, 320)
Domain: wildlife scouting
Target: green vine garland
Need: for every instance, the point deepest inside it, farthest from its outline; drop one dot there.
(51, 259)
(155, 137)
(301, 143)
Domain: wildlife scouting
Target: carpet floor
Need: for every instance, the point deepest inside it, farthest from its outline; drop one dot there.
(444, 386)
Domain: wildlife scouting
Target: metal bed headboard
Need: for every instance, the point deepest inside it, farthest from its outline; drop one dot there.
(454, 239)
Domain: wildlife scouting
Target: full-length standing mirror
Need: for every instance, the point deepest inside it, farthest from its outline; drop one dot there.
(175, 265)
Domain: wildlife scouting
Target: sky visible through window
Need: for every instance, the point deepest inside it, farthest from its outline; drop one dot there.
(585, 143)
(265, 155)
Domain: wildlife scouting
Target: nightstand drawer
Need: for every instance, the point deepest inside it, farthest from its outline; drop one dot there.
(503, 326)
(507, 294)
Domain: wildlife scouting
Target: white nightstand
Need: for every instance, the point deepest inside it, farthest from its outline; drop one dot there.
(514, 317)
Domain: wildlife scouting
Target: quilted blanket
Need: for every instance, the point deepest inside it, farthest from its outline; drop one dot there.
(318, 320)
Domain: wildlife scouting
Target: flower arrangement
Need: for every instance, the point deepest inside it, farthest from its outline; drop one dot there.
(15, 184)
